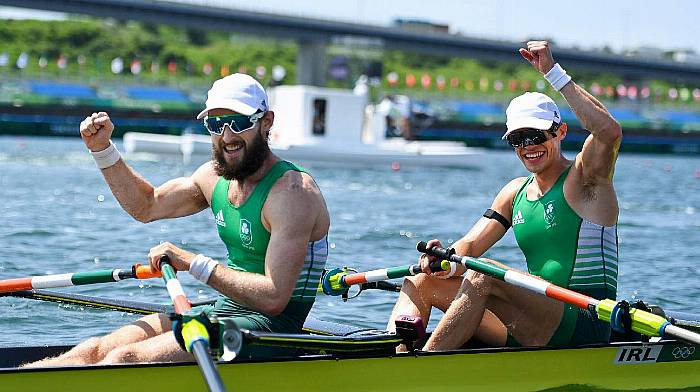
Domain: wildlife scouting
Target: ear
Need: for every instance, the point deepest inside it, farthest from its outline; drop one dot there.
(563, 129)
(268, 119)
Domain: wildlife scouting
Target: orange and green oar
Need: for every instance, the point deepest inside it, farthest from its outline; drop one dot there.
(607, 310)
(76, 279)
(194, 333)
(338, 281)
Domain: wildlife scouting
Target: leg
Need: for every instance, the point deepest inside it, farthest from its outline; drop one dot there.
(161, 348)
(420, 293)
(95, 350)
(530, 317)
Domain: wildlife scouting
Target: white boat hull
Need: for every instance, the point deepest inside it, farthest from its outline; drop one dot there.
(196, 148)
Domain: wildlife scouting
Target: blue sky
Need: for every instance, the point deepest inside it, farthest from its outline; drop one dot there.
(621, 24)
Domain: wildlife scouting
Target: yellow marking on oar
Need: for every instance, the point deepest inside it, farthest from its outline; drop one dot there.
(194, 330)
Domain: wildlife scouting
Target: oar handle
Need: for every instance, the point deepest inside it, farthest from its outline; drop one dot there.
(144, 272)
(447, 254)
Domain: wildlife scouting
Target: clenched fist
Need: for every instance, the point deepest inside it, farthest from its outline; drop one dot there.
(539, 55)
(96, 131)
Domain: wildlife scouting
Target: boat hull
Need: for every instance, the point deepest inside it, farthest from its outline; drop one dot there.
(624, 366)
(196, 148)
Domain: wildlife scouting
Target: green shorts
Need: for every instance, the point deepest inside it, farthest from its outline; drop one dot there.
(291, 320)
(577, 327)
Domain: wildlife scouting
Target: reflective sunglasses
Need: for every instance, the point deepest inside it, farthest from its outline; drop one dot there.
(238, 123)
(530, 136)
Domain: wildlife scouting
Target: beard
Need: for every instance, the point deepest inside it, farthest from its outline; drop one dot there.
(254, 156)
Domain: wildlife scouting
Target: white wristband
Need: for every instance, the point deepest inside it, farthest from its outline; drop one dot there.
(107, 157)
(453, 269)
(201, 267)
(557, 77)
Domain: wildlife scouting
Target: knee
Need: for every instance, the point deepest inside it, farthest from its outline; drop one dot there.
(481, 283)
(124, 354)
(419, 282)
(93, 349)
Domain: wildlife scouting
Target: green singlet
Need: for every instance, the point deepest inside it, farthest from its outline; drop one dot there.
(562, 248)
(246, 240)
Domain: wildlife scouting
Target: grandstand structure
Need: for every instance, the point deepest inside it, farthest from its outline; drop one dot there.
(41, 107)
(55, 107)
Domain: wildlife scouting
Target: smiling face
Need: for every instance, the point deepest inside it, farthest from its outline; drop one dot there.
(237, 156)
(539, 157)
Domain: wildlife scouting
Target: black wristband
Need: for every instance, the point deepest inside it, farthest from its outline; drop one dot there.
(491, 214)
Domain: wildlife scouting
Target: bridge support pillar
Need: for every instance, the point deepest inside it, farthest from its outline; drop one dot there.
(311, 63)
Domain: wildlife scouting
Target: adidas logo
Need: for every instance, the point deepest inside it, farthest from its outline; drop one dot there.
(518, 218)
(219, 219)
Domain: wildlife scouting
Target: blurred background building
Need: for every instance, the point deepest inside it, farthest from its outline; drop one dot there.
(150, 63)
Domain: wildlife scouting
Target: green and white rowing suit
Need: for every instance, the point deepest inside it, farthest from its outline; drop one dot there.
(562, 248)
(246, 240)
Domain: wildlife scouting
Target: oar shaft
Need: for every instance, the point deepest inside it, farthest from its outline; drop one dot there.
(390, 273)
(75, 279)
(513, 277)
(175, 291)
(199, 336)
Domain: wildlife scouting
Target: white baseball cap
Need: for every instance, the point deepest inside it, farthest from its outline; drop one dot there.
(531, 110)
(238, 92)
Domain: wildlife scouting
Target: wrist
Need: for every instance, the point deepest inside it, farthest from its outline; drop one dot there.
(557, 77)
(106, 157)
(453, 270)
(201, 267)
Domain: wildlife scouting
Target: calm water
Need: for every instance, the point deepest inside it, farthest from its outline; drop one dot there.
(57, 215)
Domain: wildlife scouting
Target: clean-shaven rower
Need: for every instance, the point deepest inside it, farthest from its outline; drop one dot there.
(564, 217)
(270, 215)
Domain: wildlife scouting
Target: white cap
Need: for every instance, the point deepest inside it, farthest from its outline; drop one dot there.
(531, 110)
(238, 92)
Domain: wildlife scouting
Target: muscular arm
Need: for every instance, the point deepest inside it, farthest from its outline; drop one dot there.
(597, 159)
(294, 210)
(146, 203)
(179, 197)
(486, 232)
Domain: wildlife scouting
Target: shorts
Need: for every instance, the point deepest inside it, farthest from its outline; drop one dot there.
(291, 320)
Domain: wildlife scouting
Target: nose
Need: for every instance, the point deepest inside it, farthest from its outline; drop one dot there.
(228, 133)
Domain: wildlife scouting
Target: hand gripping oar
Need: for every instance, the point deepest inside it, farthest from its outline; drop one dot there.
(76, 279)
(338, 281)
(642, 322)
(193, 331)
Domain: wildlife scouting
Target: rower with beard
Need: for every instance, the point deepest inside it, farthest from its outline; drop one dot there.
(269, 213)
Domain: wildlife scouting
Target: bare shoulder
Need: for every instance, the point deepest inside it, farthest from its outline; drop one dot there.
(295, 201)
(512, 187)
(205, 178)
(296, 189)
(504, 200)
(296, 184)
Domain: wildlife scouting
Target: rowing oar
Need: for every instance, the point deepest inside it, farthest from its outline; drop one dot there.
(338, 281)
(642, 322)
(76, 279)
(194, 332)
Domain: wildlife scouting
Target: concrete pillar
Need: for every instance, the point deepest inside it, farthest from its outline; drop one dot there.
(311, 63)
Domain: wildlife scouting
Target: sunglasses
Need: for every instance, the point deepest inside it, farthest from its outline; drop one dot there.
(238, 123)
(530, 136)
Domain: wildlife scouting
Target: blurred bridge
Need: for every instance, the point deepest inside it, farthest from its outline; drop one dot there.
(313, 35)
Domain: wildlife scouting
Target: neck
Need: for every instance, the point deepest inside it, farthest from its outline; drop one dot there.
(547, 177)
